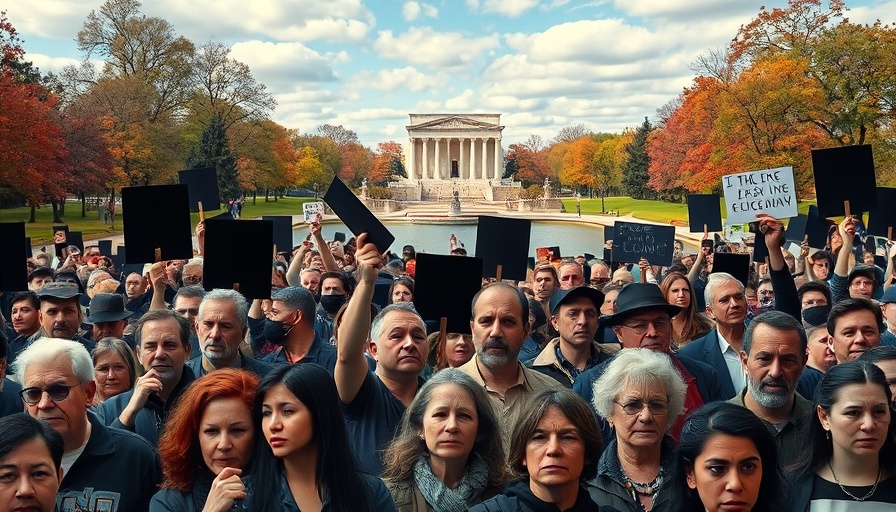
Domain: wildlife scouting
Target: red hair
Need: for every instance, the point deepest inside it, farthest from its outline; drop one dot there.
(179, 445)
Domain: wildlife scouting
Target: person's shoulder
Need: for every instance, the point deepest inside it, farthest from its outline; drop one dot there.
(129, 441)
(538, 380)
(695, 348)
(378, 493)
(171, 500)
(112, 407)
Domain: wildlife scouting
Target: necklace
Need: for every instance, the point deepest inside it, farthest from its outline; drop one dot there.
(650, 489)
(863, 498)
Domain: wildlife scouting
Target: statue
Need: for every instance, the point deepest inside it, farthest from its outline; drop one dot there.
(455, 204)
(364, 188)
(547, 188)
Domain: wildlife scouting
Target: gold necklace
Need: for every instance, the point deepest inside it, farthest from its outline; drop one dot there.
(851, 495)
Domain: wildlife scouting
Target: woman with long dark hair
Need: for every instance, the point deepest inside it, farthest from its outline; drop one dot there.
(207, 445)
(850, 448)
(447, 454)
(727, 460)
(402, 290)
(689, 324)
(303, 461)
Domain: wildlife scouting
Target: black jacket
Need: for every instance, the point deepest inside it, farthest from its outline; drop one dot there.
(519, 498)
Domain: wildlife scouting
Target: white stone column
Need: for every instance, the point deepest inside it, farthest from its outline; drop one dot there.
(410, 159)
(438, 161)
(425, 164)
(472, 158)
(460, 160)
(499, 159)
(484, 144)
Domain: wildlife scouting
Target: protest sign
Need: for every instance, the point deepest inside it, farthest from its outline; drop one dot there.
(633, 241)
(312, 210)
(769, 191)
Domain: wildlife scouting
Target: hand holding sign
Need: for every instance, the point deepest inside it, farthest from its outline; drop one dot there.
(769, 191)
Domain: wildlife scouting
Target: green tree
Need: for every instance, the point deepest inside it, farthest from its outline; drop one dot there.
(634, 171)
(214, 151)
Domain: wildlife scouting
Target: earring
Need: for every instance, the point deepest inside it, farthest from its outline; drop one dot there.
(827, 435)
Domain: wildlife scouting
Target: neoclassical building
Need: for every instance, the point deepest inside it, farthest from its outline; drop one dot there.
(446, 146)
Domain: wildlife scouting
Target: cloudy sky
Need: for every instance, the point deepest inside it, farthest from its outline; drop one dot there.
(541, 64)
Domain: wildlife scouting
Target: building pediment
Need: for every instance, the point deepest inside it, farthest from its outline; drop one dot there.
(455, 123)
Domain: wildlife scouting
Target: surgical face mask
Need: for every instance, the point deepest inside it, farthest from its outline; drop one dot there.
(276, 331)
(332, 303)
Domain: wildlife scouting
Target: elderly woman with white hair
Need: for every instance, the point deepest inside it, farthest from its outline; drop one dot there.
(641, 394)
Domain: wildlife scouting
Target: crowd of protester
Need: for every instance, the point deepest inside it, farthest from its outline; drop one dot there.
(592, 385)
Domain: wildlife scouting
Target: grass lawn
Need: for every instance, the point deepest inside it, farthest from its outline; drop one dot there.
(655, 211)
(41, 232)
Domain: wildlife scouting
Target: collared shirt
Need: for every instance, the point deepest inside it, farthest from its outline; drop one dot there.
(732, 361)
(788, 436)
(509, 406)
(569, 367)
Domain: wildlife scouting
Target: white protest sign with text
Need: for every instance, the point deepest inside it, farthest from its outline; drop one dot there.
(312, 210)
(769, 191)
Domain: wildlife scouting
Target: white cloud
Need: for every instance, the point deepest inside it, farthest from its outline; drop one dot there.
(436, 49)
(46, 63)
(509, 8)
(279, 64)
(410, 11)
(396, 79)
(884, 11)
(50, 18)
(461, 102)
(681, 10)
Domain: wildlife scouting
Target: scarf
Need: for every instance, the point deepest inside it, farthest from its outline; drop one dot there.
(443, 499)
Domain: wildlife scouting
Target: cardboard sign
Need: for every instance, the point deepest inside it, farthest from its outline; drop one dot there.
(157, 217)
(738, 265)
(13, 269)
(844, 173)
(282, 226)
(250, 267)
(633, 241)
(202, 185)
(312, 210)
(883, 218)
(704, 210)
(816, 228)
(796, 228)
(734, 232)
(504, 242)
(433, 300)
(356, 216)
(769, 191)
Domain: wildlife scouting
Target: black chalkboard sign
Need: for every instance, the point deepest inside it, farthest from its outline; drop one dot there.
(633, 241)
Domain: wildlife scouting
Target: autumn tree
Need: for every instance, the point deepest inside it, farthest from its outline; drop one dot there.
(310, 172)
(226, 86)
(387, 161)
(607, 164)
(338, 134)
(328, 152)
(214, 151)
(578, 163)
(357, 163)
(637, 161)
(144, 48)
(528, 160)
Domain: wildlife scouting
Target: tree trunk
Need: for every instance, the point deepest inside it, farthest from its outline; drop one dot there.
(603, 207)
(83, 204)
(33, 218)
(112, 212)
(57, 211)
(254, 196)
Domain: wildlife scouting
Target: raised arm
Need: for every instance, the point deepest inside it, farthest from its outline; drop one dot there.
(786, 298)
(159, 280)
(322, 247)
(847, 229)
(354, 332)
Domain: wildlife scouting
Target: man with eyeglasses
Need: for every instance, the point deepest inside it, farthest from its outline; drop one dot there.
(858, 282)
(643, 320)
(773, 356)
(888, 308)
(102, 468)
(813, 294)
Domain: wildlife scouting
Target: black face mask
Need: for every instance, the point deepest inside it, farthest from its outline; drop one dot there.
(332, 303)
(276, 331)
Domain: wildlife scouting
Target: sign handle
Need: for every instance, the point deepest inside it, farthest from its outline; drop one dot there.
(443, 337)
(157, 253)
(498, 273)
(236, 287)
(846, 208)
(643, 276)
(889, 232)
(201, 213)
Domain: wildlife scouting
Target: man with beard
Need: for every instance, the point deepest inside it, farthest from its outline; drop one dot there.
(773, 357)
(500, 325)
